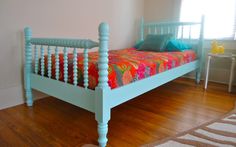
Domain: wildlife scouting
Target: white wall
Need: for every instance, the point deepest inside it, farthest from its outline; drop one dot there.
(161, 10)
(169, 10)
(58, 18)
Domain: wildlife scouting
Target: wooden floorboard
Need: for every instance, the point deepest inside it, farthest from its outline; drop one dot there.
(172, 108)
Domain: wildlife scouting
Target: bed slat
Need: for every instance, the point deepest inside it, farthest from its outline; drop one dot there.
(190, 33)
(36, 60)
(182, 32)
(65, 52)
(141, 30)
(161, 30)
(57, 63)
(167, 29)
(75, 67)
(42, 60)
(86, 68)
(172, 30)
(49, 62)
(155, 30)
(149, 30)
(176, 31)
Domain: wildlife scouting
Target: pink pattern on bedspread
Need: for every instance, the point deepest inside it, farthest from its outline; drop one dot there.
(125, 66)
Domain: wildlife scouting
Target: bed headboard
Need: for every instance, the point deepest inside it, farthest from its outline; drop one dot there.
(181, 30)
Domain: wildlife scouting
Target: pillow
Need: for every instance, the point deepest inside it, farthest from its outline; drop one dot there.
(138, 44)
(177, 45)
(155, 42)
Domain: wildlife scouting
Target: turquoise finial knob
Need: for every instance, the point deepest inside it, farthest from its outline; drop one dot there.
(103, 27)
(28, 33)
(28, 30)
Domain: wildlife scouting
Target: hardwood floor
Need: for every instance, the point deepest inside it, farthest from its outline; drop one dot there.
(165, 111)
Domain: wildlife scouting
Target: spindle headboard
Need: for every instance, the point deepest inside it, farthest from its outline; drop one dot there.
(188, 31)
(177, 29)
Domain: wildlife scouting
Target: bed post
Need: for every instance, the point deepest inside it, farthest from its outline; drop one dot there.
(201, 54)
(27, 67)
(102, 109)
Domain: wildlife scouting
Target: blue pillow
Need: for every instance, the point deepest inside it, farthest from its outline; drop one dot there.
(155, 42)
(138, 44)
(177, 45)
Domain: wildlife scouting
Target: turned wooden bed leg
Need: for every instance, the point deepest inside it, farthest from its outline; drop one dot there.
(102, 107)
(102, 116)
(102, 132)
(27, 67)
(198, 76)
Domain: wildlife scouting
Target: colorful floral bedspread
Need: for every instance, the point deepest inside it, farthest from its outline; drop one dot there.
(125, 66)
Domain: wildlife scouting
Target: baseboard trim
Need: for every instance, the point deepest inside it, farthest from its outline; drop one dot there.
(13, 96)
(210, 80)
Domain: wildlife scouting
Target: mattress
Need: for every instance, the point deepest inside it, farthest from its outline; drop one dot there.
(125, 65)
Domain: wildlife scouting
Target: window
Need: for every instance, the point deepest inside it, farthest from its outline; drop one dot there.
(219, 16)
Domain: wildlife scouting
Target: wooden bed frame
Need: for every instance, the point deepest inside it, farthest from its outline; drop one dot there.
(101, 100)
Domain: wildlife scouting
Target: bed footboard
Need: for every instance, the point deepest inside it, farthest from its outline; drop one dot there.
(50, 45)
(94, 101)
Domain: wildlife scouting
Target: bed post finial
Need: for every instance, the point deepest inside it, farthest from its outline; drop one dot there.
(103, 55)
(27, 66)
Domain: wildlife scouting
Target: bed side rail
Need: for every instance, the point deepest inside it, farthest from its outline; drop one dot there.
(42, 46)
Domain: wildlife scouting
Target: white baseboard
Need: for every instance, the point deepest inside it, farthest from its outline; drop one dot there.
(13, 96)
(215, 75)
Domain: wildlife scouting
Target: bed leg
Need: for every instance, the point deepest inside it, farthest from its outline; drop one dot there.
(29, 97)
(198, 76)
(27, 67)
(102, 115)
(102, 133)
(102, 120)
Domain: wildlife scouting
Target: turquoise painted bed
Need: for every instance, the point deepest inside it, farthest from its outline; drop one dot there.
(101, 100)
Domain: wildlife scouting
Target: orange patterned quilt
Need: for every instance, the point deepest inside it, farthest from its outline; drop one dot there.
(125, 66)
